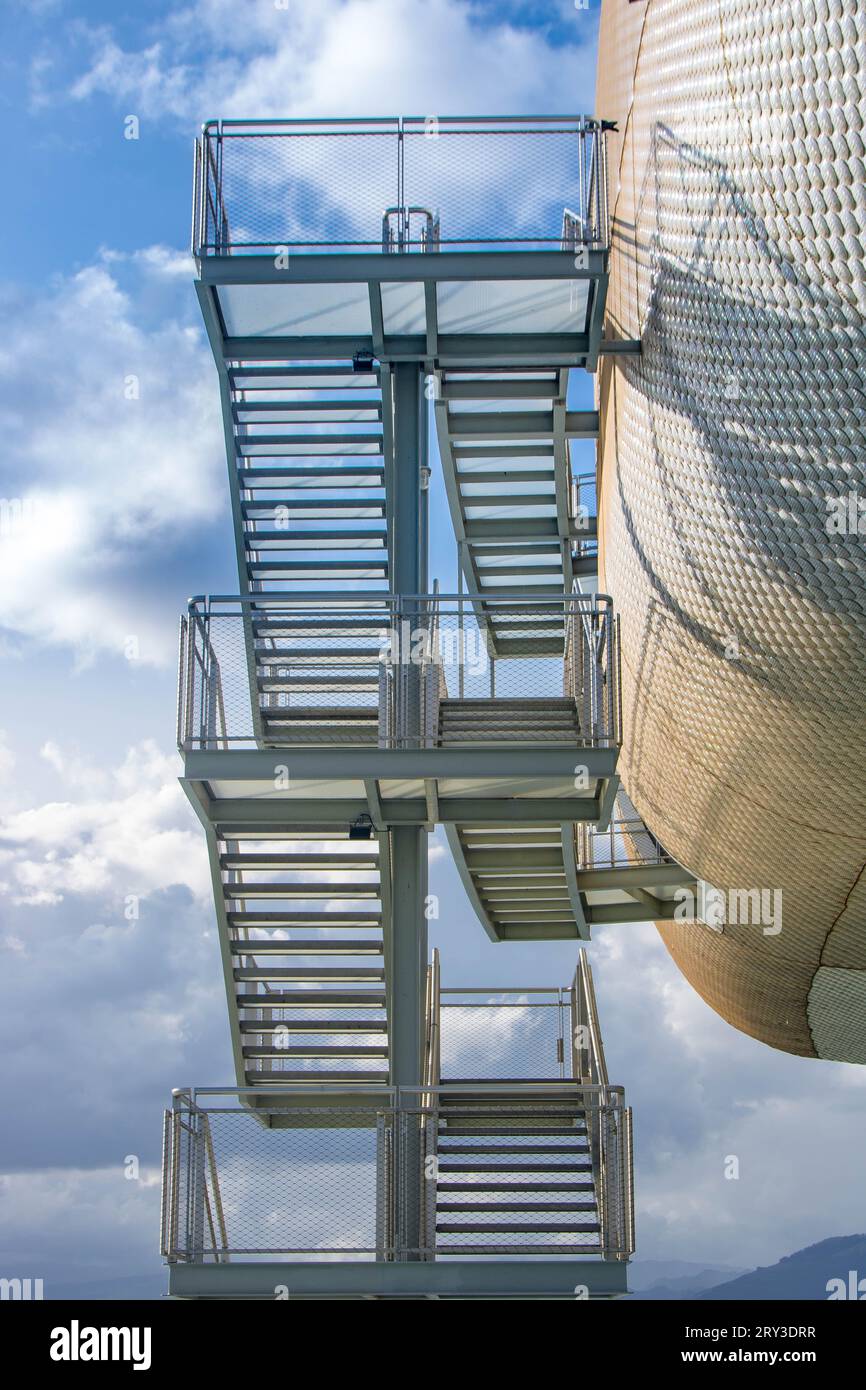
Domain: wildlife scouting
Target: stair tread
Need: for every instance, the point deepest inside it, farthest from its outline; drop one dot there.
(535, 1187)
(317, 1077)
(322, 654)
(313, 998)
(352, 920)
(306, 680)
(448, 1167)
(267, 860)
(308, 948)
(372, 507)
(314, 1025)
(298, 972)
(358, 713)
(506, 1148)
(315, 1052)
(301, 890)
(544, 1228)
(526, 1208)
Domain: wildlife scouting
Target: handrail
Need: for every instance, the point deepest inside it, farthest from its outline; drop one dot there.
(194, 1222)
(405, 194)
(215, 1186)
(217, 709)
(432, 1027)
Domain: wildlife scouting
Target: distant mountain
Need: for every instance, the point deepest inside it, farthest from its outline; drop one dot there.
(130, 1286)
(682, 1280)
(644, 1274)
(803, 1275)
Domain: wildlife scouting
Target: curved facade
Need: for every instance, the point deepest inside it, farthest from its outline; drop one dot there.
(733, 482)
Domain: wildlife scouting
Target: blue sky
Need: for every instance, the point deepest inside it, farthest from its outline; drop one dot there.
(125, 515)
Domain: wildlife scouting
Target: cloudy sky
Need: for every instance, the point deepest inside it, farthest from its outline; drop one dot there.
(117, 511)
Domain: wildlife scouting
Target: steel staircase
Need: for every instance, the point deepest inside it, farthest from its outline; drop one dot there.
(318, 759)
(318, 676)
(303, 918)
(504, 442)
(514, 1172)
(509, 721)
(302, 914)
(309, 477)
(521, 880)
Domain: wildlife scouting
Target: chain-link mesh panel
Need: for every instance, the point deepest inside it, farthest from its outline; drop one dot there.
(502, 185)
(515, 1177)
(533, 1170)
(283, 1183)
(626, 842)
(516, 1040)
(525, 183)
(439, 673)
(303, 187)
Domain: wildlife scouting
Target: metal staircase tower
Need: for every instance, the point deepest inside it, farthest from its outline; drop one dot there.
(353, 277)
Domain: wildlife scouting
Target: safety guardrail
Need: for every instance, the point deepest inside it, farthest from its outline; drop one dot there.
(379, 670)
(399, 184)
(311, 1178)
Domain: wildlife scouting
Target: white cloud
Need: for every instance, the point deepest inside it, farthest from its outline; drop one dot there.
(132, 833)
(113, 457)
(7, 757)
(340, 57)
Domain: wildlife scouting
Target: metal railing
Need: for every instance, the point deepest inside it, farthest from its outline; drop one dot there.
(609, 1129)
(308, 1178)
(506, 1034)
(400, 184)
(625, 843)
(398, 672)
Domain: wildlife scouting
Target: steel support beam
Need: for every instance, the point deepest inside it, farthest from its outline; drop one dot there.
(464, 810)
(406, 926)
(333, 268)
(464, 763)
(449, 1279)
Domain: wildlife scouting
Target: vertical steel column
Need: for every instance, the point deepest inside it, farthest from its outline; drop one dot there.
(409, 843)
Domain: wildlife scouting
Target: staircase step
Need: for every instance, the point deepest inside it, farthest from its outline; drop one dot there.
(249, 859)
(542, 1105)
(303, 973)
(314, 540)
(502, 738)
(321, 655)
(449, 1166)
(353, 475)
(346, 506)
(365, 405)
(506, 1149)
(461, 1130)
(535, 1187)
(313, 1025)
(322, 376)
(307, 948)
(508, 703)
(528, 722)
(304, 919)
(317, 1052)
(322, 713)
(524, 1208)
(304, 680)
(301, 890)
(323, 569)
(314, 1077)
(325, 626)
(296, 438)
(531, 1228)
(313, 998)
